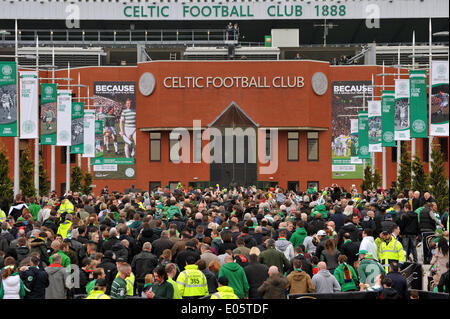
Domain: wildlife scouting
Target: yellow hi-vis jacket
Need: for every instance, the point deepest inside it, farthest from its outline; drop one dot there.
(2, 216)
(130, 283)
(66, 207)
(392, 251)
(224, 292)
(97, 294)
(192, 282)
(63, 228)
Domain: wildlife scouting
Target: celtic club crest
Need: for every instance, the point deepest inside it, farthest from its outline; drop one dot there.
(388, 137)
(48, 90)
(28, 127)
(364, 150)
(6, 70)
(419, 126)
(64, 136)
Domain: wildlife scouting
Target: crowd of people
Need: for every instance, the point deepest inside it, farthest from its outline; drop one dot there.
(218, 243)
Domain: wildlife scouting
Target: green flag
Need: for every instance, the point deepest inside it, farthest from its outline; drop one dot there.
(387, 118)
(77, 146)
(98, 159)
(8, 98)
(48, 113)
(402, 110)
(363, 135)
(374, 126)
(418, 103)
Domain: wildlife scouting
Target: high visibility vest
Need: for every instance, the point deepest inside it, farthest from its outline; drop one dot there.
(2, 216)
(392, 251)
(66, 207)
(192, 282)
(130, 283)
(63, 228)
(224, 292)
(97, 294)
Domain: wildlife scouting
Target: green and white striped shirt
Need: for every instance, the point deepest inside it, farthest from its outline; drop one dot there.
(130, 118)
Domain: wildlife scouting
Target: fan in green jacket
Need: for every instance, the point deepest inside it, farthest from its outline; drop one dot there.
(369, 269)
(346, 275)
(320, 209)
(236, 277)
(299, 235)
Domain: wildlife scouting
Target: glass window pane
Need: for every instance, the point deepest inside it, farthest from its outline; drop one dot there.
(313, 134)
(292, 134)
(155, 150)
(313, 150)
(293, 150)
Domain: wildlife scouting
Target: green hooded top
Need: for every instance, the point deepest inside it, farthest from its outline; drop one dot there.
(320, 209)
(236, 278)
(298, 237)
(352, 279)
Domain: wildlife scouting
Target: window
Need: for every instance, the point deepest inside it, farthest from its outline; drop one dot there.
(394, 154)
(197, 136)
(293, 186)
(312, 184)
(155, 147)
(153, 186)
(293, 146)
(313, 146)
(64, 155)
(173, 186)
(268, 146)
(174, 143)
(443, 141)
(425, 150)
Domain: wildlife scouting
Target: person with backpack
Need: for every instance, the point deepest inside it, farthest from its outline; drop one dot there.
(34, 278)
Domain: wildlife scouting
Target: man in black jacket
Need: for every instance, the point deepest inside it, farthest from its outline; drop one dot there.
(143, 264)
(162, 243)
(109, 266)
(112, 240)
(399, 282)
(189, 251)
(409, 226)
(34, 278)
(256, 274)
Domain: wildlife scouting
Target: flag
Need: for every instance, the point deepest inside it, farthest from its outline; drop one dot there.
(363, 135)
(387, 118)
(439, 98)
(418, 103)
(8, 99)
(402, 110)
(48, 113)
(29, 108)
(64, 118)
(77, 144)
(374, 126)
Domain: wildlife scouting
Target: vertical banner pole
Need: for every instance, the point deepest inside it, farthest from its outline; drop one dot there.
(384, 180)
(430, 92)
(79, 96)
(373, 153)
(53, 147)
(68, 147)
(36, 141)
(88, 106)
(399, 148)
(16, 138)
(413, 140)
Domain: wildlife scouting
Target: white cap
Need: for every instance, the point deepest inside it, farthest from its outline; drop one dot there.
(321, 233)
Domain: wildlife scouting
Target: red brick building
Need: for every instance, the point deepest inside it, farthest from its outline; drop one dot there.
(247, 94)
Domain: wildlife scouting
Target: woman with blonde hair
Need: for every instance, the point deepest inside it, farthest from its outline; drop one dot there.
(12, 286)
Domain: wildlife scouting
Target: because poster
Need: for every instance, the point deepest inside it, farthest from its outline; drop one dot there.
(347, 99)
(115, 105)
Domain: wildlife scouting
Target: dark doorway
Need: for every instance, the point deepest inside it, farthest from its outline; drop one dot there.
(236, 164)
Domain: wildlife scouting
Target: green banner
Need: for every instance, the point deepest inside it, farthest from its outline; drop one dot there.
(363, 135)
(48, 113)
(8, 98)
(387, 119)
(77, 146)
(418, 103)
(98, 159)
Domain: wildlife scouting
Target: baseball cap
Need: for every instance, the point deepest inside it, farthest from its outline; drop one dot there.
(388, 216)
(362, 252)
(321, 233)
(369, 255)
